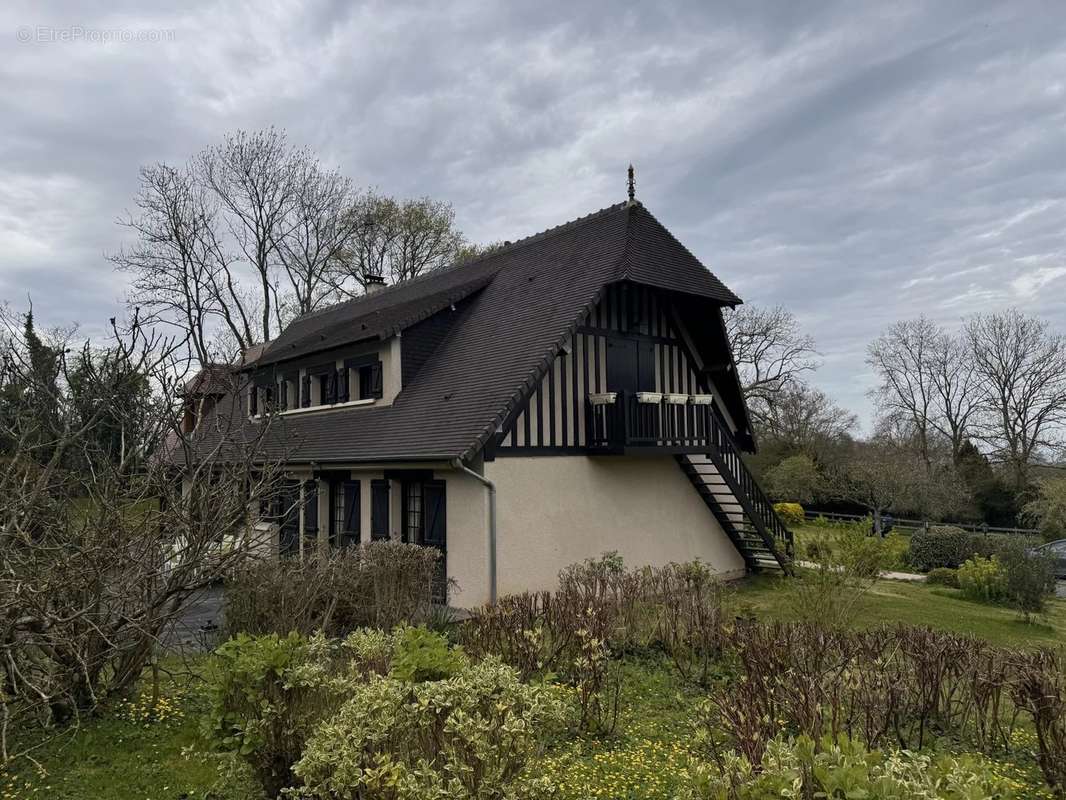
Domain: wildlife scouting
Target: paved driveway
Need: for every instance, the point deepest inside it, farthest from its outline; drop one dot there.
(200, 626)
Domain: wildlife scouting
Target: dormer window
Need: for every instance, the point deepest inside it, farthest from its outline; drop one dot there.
(358, 380)
(366, 377)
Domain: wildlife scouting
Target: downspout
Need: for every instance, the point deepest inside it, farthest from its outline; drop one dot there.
(459, 465)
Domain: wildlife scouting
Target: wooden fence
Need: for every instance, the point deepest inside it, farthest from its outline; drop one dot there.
(912, 524)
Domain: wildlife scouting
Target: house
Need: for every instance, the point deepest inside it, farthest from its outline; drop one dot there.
(564, 395)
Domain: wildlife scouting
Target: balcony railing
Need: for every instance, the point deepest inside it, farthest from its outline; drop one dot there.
(616, 421)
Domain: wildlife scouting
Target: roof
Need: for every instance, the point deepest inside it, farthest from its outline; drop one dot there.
(517, 305)
(212, 379)
(375, 316)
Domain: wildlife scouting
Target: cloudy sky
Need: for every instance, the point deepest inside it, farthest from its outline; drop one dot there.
(857, 163)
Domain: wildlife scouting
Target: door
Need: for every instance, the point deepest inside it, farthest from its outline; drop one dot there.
(622, 367)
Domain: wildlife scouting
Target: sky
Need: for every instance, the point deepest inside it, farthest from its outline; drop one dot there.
(856, 163)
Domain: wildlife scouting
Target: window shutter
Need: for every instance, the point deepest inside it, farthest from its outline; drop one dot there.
(253, 401)
(342, 385)
(310, 507)
(350, 534)
(305, 391)
(435, 514)
(375, 379)
(379, 509)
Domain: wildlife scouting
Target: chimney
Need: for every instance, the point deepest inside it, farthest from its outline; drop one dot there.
(373, 283)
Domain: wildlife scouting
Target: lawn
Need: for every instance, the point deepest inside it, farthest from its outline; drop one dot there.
(152, 752)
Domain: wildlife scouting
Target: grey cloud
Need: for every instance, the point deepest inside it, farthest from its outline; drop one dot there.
(856, 163)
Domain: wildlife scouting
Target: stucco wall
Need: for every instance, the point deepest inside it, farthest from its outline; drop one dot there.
(554, 511)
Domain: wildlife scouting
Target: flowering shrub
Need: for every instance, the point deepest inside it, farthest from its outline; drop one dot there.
(843, 768)
(470, 736)
(983, 579)
(790, 513)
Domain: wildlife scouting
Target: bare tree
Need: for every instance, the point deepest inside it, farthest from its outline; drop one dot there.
(255, 177)
(927, 376)
(321, 229)
(957, 398)
(255, 231)
(771, 354)
(96, 557)
(1021, 367)
(903, 360)
(882, 476)
(180, 274)
(804, 420)
(400, 240)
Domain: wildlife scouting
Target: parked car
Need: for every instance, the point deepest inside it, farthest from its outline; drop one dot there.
(1057, 550)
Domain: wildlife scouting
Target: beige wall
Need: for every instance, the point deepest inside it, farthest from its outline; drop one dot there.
(468, 539)
(557, 510)
(554, 511)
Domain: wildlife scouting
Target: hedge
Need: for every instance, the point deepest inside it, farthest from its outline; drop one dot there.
(948, 546)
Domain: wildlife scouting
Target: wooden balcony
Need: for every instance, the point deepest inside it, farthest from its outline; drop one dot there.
(631, 422)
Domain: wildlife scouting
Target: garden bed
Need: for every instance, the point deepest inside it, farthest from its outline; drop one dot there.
(151, 749)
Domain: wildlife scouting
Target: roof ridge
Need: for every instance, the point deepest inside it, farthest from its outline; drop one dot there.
(505, 248)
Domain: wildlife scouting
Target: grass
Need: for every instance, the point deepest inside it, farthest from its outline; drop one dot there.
(138, 749)
(890, 602)
(146, 751)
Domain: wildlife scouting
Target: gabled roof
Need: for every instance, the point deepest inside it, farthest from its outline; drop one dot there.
(516, 307)
(376, 316)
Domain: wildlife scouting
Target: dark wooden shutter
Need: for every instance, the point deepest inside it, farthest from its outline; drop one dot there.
(253, 401)
(305, 391)
(342, 385)
(379, 509)
(375, 380)
(351, 534)
(311, 508)
(434, 517)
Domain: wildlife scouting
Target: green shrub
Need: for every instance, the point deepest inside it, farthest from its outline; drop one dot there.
(983, 579)
(844, 768)
(1030, 576)
(993, 544)
(470, 736)
(943, 576)
(940, 546)
(790, 513)
(265, 695)
(421, 655)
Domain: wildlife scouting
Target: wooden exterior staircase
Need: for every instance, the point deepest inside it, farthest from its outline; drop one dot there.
(738, 502)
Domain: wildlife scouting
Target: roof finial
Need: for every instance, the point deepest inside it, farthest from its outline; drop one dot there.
(632, 186)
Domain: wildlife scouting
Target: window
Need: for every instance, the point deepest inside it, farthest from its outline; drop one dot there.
(310, 513)
(305, 391)
(344, 529)
(370, 383)
(342, 385)
(424, 513)
(253, 401)
(412, 512)
(379, 509)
